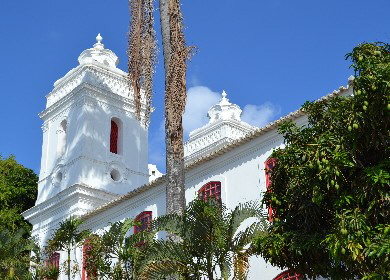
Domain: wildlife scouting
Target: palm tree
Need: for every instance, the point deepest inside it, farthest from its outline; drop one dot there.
(142, 56)
(211, 242)
(175, 57)
(66, 238)
(15, 251)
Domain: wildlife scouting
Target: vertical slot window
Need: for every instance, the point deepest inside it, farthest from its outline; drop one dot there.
(114, 137)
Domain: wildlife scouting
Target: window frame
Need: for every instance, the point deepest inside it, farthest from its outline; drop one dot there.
(207, 188)
(288, 275)
(114, 136)
(139, 217)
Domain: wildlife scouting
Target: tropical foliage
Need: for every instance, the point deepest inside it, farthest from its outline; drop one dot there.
(14, 254)
(331, 185)
(116, 254)
(18, 192)
(67, 237)
(212, 243)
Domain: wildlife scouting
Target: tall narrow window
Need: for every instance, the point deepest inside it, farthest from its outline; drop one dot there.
(144, 219)
(85, 274)
(114, 137)
(54, 260)
(269, 166)
(61, 138)
(211, 189)
(288, 275)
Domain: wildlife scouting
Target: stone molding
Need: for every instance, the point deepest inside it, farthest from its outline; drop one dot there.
(204, 149)
(140, 200)
(65, 167)
(61, 199)
(104, 95)
(115, 82)
(212, 136)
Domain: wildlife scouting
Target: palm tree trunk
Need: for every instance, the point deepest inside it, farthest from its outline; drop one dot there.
(68, 261)
(175, 55)
(210, 273)
(164, 22)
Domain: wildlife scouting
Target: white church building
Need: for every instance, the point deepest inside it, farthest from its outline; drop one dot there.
(95, 155)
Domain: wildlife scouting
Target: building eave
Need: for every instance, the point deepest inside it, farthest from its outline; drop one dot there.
(65, 195)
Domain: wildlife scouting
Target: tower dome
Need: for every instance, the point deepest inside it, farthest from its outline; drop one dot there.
(99, 54)
(224, 110)
(224, 126)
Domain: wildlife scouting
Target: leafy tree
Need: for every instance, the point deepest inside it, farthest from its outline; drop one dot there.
(330, 186)
(115, 254)
(66, 238)
(18, 192)
(210, 243)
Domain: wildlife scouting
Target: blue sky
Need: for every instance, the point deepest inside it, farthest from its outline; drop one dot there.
(270, 56)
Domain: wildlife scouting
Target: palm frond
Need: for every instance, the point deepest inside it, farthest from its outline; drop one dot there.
(162, 269)
(241, 266)
(242, 212)
(172, 223)
(245, 237)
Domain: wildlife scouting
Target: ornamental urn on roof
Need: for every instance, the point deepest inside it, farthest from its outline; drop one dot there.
(224, 110)
(99, 54)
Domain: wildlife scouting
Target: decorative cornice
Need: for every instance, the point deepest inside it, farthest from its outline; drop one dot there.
(67, 194)
(141, 200)
(233, 157)
(212, 135)
(75, 76)
(129, 195)
(95, 81)
(95, 161)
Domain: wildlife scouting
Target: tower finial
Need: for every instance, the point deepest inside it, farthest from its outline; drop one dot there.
(224, 100)
(99, 44)
(99, 39)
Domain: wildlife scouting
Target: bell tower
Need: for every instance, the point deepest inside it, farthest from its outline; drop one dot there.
(94, 148)
(90, 134)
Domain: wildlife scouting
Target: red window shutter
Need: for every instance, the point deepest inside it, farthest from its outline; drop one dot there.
(269, 165)
(288, 275)
(114, 138)
(54, 260)
(211, 189)
(144, 218)
(86, 248)
(84, 275)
